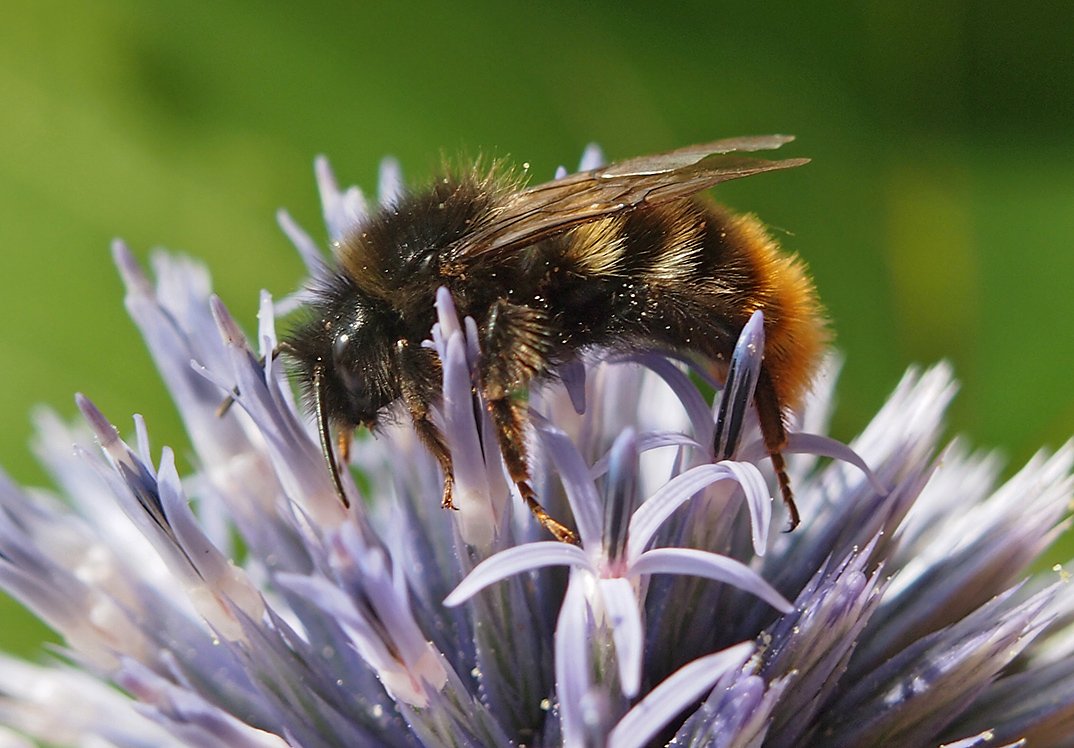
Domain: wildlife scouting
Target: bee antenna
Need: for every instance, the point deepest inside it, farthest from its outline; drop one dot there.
(324, 432)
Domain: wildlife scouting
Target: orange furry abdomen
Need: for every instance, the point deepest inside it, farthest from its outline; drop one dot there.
(796, 330)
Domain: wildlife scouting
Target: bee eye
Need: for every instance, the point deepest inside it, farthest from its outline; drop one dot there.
(358, 392)
(339, 347)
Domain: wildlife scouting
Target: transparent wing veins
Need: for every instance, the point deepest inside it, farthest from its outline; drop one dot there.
(550, 208)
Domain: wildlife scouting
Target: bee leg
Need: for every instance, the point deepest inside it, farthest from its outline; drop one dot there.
(414, 370)
(770, 414)
(510, 432)
(514, 348)
(344, 439)
(434, 441)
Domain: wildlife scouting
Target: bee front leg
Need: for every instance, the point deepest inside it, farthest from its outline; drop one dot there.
(415, 364)
(515, 345)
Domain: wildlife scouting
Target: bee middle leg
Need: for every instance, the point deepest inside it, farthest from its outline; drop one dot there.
(417, 387)
(434, 441)
(510, 432)
(515, 343)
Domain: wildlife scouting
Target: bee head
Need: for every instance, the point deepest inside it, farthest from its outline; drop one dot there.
(343, 360)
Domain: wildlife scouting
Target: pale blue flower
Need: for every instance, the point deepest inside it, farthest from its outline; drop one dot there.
(239, 603)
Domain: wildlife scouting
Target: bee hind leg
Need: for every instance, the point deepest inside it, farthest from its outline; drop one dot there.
(515, 343)
(770, 415)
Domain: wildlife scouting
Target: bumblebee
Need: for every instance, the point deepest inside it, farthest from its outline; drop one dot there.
(624, 257)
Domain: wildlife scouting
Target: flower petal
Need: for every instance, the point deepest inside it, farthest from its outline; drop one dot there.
(343, 211)
(592, 158)
(823, 446)
(986, 739)
(572, 375)
(60, 705)
(624, 616)
(476, 520)
(920, 691)
(620, 497)
(516, 560)
(696, 409)
(1036, 705)
(577, 484)
(711, 566)
(646, 441)
(403, 673)
(737, 712)
(296, 459)
(681, 488)
(970, 554)
(188, 716)
(389, 181)
(572, 664)
(736, 396)
(303, 243)
(813, 643)
(649, 716)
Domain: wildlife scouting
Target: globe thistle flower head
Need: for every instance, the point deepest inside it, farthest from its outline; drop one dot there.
(241, 603)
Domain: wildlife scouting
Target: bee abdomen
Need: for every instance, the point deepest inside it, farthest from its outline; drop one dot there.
(687, 276)
(750, 267)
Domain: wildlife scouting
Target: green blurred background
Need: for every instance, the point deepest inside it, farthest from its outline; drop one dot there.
(937, 215)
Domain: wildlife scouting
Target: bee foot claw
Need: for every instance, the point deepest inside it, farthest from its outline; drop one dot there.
(558, 530)
(448, 501)
(561, 533)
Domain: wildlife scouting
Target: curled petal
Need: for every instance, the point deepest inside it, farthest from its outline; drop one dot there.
(679, 489)
(516, 560)
(711, 566)
(822, 446)
(647, 441)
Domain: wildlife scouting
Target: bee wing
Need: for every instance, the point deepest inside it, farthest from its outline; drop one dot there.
(550, 208)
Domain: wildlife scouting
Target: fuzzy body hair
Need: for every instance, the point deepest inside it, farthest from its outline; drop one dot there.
(627, 257)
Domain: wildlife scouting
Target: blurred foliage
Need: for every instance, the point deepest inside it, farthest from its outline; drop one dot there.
(937, 215)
